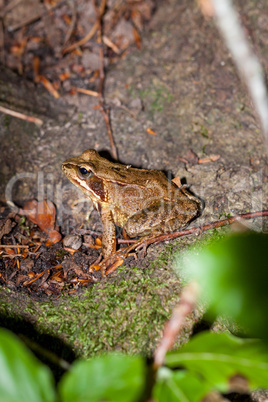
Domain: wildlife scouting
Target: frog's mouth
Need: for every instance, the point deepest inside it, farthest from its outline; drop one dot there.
(70, 171)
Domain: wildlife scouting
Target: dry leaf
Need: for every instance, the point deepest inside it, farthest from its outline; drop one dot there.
(150, 131)
(137, 38)
(190, 157)
(115, 265)
(36, 68)
(208, 159)
(136, 18)
(177, 181)
(55, 236)
(49, 86)
(70, 250)
(43, 214)
(206, 7)
(9, 251)
(98, 241)
(64, 76)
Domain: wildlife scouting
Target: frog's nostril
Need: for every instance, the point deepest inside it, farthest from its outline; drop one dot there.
(67, 166)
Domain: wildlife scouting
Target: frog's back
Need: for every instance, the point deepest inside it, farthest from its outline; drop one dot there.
(142, 177)
(123, 174)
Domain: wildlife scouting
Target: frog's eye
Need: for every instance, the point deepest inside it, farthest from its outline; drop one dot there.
(84, 173)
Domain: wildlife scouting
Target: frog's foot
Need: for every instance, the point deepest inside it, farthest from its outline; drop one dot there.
(143, 246)
(95, 264)
(109, 264)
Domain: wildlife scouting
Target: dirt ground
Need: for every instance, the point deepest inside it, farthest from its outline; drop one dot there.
(183, 85)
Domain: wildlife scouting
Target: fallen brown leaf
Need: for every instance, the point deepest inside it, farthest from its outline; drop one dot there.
(150, 131)
(115, 265)
(98, 241)
(70, 250)
(96, 267)
(55, 236)
(190, 157)
(206, 7)
(6, 227)
(137, 38)
(208, 159)
(43, 214)
(64, 76)
(10, 251)
(36, 68)
(177, 181)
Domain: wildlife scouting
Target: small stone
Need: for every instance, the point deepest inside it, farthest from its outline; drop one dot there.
(90, 60)
(136, 104)
(27, 265)
(72, 241)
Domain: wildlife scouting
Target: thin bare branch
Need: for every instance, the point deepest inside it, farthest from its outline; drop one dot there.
(87, 92)
(174, 325)
(208, 226)
(82, 41)
(144, 243)
(73, 21)
(13, 246)
(22, 116)
(103, 108)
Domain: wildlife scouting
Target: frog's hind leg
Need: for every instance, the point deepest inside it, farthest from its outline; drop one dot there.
(159, 218)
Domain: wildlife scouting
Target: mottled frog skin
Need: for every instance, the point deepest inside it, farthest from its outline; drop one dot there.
(142, 202)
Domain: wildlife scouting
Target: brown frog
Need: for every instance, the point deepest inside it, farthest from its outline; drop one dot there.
(142, 202)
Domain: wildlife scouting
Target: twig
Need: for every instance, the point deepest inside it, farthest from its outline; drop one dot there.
(21, 116)
(87, 92)
(10, 255)
(106, 116)
(48, 85)
(125, 241)
(208, 226)
(12, 246)
(85, 39)
(82, 41)
(73, 21)
(25, 22)
(174, 325)
(103, 108)
(37, 276)
(110, 44)
(10, 6)
(34, 18)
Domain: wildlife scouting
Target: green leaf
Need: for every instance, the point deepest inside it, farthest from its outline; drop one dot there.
(23, 377)
(218, 357)
(233, 276)
(110, 378)
(179, 386)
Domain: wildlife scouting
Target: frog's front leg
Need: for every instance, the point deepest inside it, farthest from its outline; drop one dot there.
(109, 233)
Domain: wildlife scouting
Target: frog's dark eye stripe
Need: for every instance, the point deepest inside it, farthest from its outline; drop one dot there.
(84, 173)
